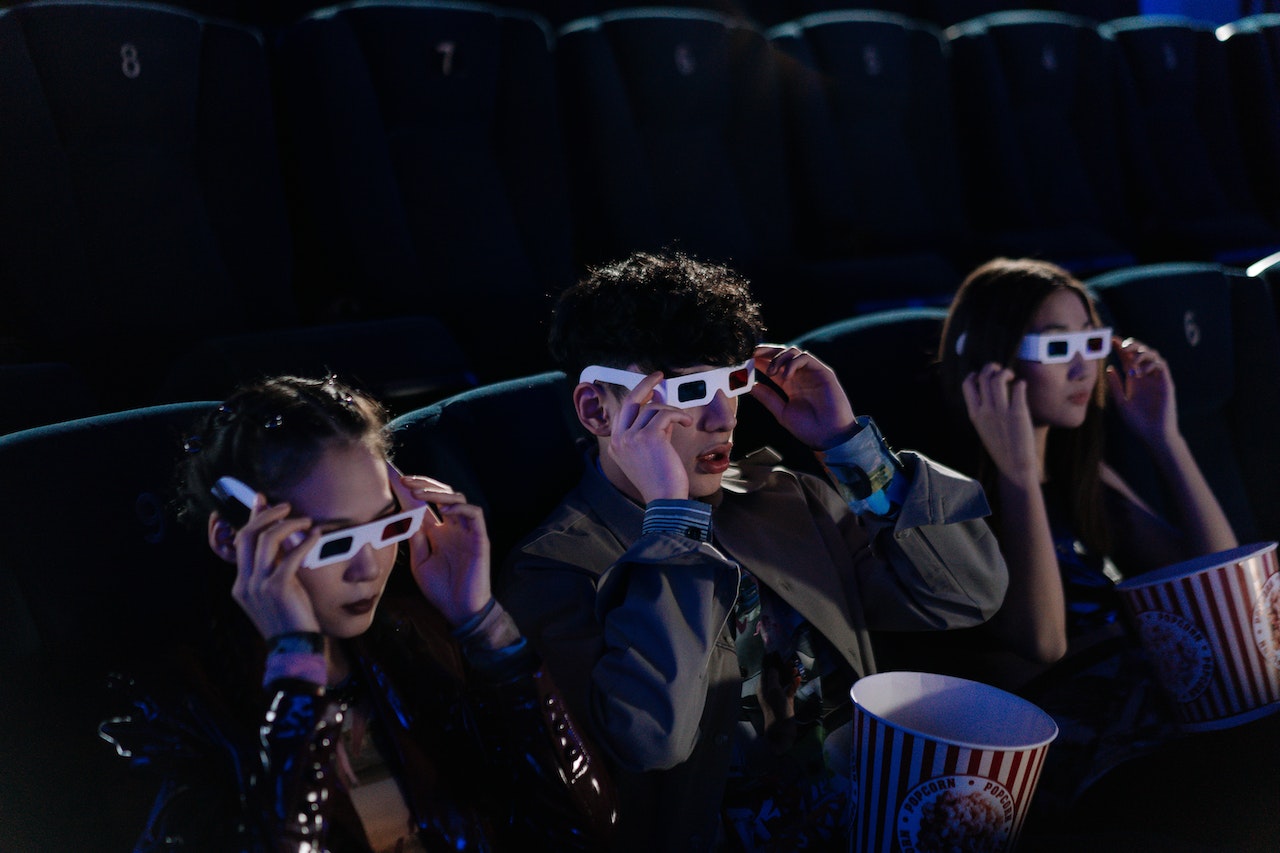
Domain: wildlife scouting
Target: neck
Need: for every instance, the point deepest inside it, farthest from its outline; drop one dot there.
(614, 475)
(336, 662)
(1042, 449)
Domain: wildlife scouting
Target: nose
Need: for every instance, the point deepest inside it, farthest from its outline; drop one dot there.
(1077, 365)
(720, 415)
(363, 566)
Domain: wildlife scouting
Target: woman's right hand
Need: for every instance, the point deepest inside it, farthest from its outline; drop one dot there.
(267, 586)
(997, 404)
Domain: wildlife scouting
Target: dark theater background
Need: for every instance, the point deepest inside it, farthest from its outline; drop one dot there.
(196, 193)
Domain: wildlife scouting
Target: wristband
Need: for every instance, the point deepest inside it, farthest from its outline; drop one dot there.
(296, 642)
(473, 622)
(489, 637)
(295, 666)
(866, 471)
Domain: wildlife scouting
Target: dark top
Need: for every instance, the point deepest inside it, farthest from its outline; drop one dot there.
(486, 759)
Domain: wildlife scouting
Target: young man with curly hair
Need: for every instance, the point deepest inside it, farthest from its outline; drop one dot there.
(706, 615)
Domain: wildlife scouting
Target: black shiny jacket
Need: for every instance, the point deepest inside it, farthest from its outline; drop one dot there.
(487, 761)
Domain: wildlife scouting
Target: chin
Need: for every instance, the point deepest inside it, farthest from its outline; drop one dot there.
(1074, 420)
(704, 485)
(346, 627)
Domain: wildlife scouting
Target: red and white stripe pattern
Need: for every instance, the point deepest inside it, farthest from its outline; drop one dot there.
(893, 770)
(1228, 609)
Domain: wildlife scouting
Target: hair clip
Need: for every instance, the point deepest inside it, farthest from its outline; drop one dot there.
(343, 397)
(227, 413)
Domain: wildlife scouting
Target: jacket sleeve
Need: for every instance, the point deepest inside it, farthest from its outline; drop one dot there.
(936, 565)
(562, 793)
(632, 645)
(225, 788)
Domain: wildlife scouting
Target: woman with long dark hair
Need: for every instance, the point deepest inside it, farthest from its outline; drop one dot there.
(1024, 356)
(1023, 352)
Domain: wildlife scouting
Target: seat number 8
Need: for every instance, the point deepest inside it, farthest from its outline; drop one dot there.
(130, 65)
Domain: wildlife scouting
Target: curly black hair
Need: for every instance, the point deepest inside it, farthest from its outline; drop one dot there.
(660, 311)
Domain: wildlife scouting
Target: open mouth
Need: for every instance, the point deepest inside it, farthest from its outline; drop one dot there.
(715, 460)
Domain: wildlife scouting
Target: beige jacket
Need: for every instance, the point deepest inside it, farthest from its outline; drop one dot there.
(634, 628)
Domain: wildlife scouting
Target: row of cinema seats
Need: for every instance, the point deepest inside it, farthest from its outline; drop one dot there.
(94, 570)
(184, 201)
(764, 13)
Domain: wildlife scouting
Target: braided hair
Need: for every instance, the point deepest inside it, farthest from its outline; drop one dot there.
(269, 434)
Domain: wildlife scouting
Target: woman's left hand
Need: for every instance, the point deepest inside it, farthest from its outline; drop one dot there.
(449, 556)
(1142, 390)
(816, 409)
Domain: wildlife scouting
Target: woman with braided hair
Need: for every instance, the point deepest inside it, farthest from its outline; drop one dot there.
(361, 689)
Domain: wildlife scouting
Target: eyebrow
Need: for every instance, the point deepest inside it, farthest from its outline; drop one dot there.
(1061, 329)
(690, 371)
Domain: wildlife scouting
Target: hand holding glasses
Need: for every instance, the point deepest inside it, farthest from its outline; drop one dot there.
(343, 544)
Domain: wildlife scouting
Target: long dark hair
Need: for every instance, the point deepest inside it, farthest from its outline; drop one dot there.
(268, 434)
(986, 322)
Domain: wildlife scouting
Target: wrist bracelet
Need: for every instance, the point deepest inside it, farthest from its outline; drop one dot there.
(304, 642)
(473, 621)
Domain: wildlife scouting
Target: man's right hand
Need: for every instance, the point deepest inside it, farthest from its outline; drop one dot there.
(640, 443)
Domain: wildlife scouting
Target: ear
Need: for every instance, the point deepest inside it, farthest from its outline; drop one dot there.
(590, 402)
(222, 537)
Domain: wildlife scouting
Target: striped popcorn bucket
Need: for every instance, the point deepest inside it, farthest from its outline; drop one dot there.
(1211, 629)
(942, 763)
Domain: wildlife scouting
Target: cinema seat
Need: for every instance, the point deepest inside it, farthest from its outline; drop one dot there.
(674, 133)
(872, 144)
(1268, 270)
(94, 571)
(426, 171)
(1039, 101)
(405, 362)
(142, 207)
(1196, 186)
(672, 128)
(1217, 329)
(1252, 48)
(676, 139)
(512, 447)
(886, 363)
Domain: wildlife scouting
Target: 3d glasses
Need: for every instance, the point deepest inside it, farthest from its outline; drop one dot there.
(683, 392)
(1060, 347)
(338, 545)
